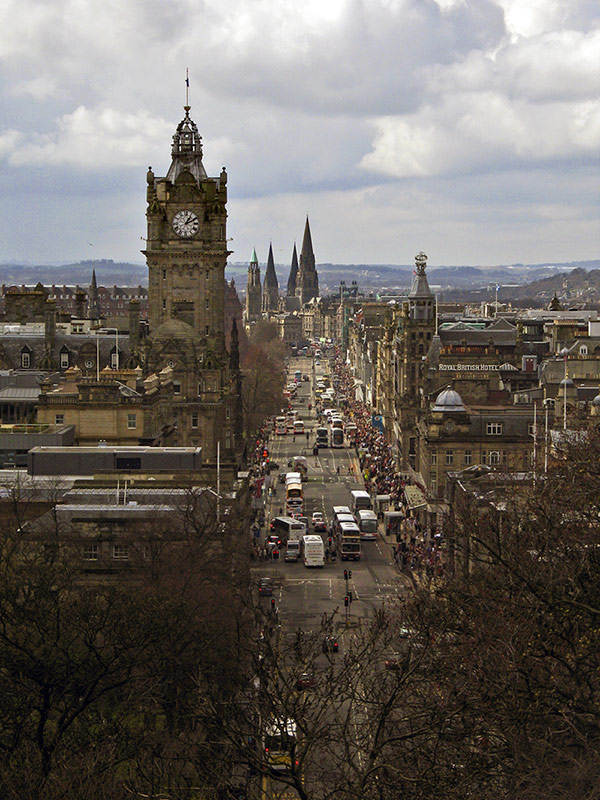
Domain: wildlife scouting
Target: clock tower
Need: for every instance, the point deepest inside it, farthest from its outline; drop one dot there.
(186, 248)
(186, 252)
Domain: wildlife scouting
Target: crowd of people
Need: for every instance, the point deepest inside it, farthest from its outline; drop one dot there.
(416, 548)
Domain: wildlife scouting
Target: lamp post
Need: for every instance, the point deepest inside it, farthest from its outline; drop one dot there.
(565, 354)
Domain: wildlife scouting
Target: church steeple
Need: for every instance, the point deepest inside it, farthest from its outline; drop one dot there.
(253, 290)
(291, 284)
(307, 282)
(93, 302)
(270, 295)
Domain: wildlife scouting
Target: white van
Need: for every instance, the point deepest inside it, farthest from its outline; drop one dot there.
(359, 500)
(298, 426)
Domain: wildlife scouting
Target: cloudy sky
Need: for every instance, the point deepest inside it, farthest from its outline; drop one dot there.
(469, 129)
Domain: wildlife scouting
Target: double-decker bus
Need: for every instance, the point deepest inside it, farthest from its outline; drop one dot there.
(279, 743)
(349, 541)
(294, 494)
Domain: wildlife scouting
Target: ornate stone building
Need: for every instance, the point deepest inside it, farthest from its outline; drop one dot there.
(186, 253)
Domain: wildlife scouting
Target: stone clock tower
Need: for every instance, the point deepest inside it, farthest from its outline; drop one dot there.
(186, 248)
(186, 252)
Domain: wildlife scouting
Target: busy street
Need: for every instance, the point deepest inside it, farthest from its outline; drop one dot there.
(304, 596)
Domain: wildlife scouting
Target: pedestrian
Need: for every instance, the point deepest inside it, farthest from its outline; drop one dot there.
(337, 470)
(306, 437)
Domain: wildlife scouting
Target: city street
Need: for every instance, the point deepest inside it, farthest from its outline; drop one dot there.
(304, 595)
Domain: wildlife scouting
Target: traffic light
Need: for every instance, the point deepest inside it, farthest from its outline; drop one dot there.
(346, 600)
(345, 574)
(330, 541)
(349, 574)
(273, 603)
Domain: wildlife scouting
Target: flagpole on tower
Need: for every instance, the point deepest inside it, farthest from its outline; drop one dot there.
(187, 87)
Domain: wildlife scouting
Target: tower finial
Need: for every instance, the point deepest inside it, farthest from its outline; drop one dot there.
(187, 89)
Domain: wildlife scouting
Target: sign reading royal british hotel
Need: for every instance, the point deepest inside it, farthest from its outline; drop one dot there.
(473, 367)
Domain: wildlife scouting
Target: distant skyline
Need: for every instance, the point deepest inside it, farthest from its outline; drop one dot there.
(469, 130)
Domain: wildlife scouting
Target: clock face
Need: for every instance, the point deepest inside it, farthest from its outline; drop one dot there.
(186, 224)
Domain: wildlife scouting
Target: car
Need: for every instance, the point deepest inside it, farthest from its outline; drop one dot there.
(305, 681)
(393, 661)
(265, 587)
(305, 378)
(317, 515)
(330, 644)
(319, 526)
(274, 539)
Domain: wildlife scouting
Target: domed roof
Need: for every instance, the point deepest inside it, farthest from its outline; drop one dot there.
(449, 400)
(596, 400)
(175, 329)
(567, 382)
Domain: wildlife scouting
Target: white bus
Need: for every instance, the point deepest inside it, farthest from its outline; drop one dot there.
(313, 551)
(367, 522)
(337, 437)
(359, 500)
(280, 427)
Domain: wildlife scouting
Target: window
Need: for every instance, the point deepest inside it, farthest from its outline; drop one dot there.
(449, 458)
(227, 440)
(90, 552)
(207, 275)
(120, 552)
(494, 458)
(207, 330)
(59, 419)
(25, 360)
(434, 485)
(64, 359)
(583, 351)
(468, 458)
(199, 388)
(194, 420)
(132, 421)
(164, 304)
(494, 428)
(433, 458)
(177, 387)
(207, 303)
(164, 274)
(114, 360)
(227, 413)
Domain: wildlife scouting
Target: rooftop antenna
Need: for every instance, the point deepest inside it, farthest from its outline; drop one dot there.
(187, 89)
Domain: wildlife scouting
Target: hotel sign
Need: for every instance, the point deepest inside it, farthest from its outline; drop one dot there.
(473, 367)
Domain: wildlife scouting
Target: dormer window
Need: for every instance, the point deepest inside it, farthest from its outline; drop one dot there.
(25, 359)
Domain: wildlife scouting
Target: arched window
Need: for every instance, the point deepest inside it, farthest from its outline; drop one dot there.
(494, 457)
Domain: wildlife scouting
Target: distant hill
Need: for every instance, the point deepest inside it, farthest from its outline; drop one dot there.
(530, 278)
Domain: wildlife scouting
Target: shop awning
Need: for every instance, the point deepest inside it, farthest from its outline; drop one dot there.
(414, 497)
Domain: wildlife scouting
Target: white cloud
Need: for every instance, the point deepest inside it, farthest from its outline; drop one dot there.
(96, 140)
